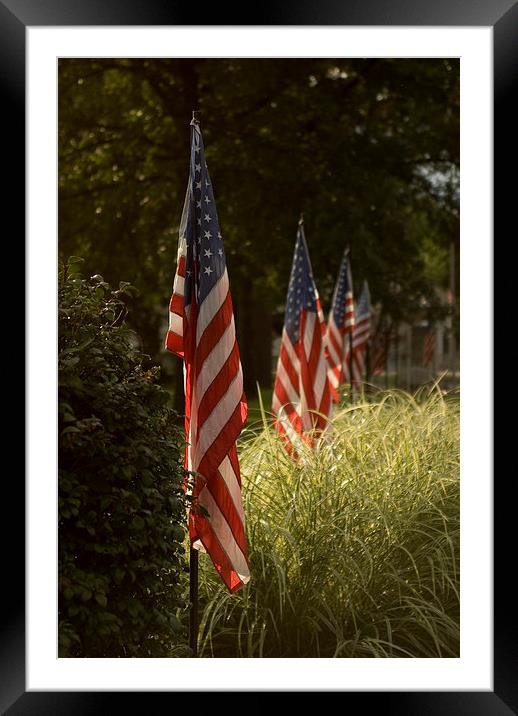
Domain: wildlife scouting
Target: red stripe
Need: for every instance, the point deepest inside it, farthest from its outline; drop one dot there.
(288, 366)
(201, 529)
(176, 304)
(180, 270)
(219, 491)
(219, 386)
(224, 440)
(333, 339)
(289, 408)
(232, 456)
(286, 441)
(213, 332)
(305, 375)
(174, 343)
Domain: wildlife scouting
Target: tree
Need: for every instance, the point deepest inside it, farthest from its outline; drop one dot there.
(121, 506)
(368, 149)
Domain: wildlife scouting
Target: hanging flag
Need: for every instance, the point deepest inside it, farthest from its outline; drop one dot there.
(340, 325)
(380, 347)
(361, 335)
(429, 347)
(302, 394)
(201, 330)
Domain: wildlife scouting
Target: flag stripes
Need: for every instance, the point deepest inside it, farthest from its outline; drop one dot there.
(340, 325)
(302, 395)
(202, 331)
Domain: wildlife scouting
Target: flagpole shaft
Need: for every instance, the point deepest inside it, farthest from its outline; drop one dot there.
(193, 599)
(351, 363)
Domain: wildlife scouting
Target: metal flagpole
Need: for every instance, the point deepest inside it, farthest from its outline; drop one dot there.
(193, 553)
(193, 599)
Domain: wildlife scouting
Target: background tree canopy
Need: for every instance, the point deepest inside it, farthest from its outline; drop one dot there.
(368, 149)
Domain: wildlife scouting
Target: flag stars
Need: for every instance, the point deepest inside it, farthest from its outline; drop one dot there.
(207, 270)
(208, 218)
(207, 235)
(197, 167)
(208, 253)
(198, 185)
(207, 200)
(220, 252)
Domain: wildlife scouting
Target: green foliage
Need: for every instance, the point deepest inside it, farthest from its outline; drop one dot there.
(355, 552)
(121, 507)
(368, 149)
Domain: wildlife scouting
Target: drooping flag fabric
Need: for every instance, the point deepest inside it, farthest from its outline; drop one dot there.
(201, 330)
(380, 348)
(302, 393)
(429, 347)
(340, 325)
(361, 335)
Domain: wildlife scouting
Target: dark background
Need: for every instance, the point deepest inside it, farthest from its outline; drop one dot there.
(13, 20)
(367, 149)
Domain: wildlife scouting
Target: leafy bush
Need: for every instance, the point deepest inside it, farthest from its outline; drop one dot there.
(121, 506)
(355, 552)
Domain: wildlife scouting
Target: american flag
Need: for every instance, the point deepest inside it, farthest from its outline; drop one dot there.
(302, 394)
(361, 335)
(429, 347)
(380, 348)
(340, 326)
(201, 330)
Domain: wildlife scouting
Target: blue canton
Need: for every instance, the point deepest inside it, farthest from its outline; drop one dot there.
(342, 289)
(205, 260)
(301, 289)
(363, 307)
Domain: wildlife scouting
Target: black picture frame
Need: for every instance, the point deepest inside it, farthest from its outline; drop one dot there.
(15, 17)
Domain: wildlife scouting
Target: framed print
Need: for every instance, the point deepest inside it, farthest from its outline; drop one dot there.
(482, 680)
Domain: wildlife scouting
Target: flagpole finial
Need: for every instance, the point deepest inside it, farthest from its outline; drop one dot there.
(301, 220)
(195, 121)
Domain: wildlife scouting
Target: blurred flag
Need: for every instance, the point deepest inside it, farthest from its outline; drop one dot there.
(361, 335)
(340, 325)
(380, 348)
(429, 347)
(201, 330)
(302, 394)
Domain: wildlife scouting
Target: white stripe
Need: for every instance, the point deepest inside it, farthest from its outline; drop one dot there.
(175, 323)
(320, 380)
(294, 359)
(216, 360)
(277, 406)
(284, 377)
(304, 410)
(333, 379)
(335, 358)
(290, 350)
(231, 481)
(219, 417)
(211, 304)
(308, 333)
(291, 433)
(224, 534)
(178, 285)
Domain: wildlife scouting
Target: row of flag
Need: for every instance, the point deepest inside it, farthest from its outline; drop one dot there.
(315, 360)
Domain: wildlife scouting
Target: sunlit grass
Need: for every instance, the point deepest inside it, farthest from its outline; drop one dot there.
(354, 553)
